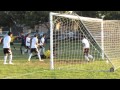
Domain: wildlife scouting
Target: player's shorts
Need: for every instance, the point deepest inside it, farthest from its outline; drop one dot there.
(86, 50)
(34, 50)
(27, 47)
(7, 51)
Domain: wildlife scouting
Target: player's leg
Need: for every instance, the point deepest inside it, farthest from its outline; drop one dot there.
(21, 47)
(40, 50)
(10, 57)
(86, 54)
(5, 55)
(30, 55)
(28, 50)
(90, 56)
(38, 53)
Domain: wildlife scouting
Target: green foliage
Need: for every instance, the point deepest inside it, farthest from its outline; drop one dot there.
(31, 18)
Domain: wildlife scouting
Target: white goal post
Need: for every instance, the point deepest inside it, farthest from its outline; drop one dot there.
(65, 40)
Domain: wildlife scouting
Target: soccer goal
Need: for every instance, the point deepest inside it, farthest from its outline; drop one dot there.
(66, 43)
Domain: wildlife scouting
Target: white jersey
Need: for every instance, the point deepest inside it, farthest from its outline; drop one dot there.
(42, 41)
(34, 42)
(6, 41)
(86, 43)
(27, 41)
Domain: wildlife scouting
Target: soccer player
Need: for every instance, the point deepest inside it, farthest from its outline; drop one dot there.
(33, 46)
(12, 41)
(86, 48)
(42, 45)
(27, 43)
(22, 37)
(7, 49)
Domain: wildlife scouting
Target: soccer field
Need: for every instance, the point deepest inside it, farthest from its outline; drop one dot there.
(22, 69)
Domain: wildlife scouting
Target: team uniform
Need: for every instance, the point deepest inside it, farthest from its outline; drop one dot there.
(34, 48)
(7, 49)
(86, 48)
(42, 48)
(28, 44)
(23, 46)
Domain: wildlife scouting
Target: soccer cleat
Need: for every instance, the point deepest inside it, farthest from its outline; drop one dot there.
(11, 63)
(28, 59)
(5, 63)
(41, 60)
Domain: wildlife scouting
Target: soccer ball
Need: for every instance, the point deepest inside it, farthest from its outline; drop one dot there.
(47, 54)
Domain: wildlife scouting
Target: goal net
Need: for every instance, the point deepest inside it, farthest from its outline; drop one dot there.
(66, 45)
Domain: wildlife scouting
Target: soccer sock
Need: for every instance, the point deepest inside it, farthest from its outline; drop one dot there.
(10, 58)
(30, 56)
(90, 56)
(39, 56)
(5, 58)
(86, 58)
(40, 50)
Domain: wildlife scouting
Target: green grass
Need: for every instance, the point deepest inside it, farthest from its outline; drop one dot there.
(22, 69)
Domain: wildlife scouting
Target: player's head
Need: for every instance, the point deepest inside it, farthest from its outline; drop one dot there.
(44, 35)
(35, 35)
(28, 35)
(10, 34)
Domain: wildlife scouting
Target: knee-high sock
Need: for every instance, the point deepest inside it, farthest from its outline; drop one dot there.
(39, 56)
(30, 56)
(86, 58)
(10, 58)
(40, 51)
(5, 58)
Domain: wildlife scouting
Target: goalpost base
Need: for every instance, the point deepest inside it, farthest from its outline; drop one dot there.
(112, 69)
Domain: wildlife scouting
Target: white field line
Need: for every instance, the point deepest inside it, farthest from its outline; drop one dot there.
(16, 76)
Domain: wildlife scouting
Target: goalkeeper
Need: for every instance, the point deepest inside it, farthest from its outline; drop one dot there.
(86, 48)
(47, 53)
(12, 41)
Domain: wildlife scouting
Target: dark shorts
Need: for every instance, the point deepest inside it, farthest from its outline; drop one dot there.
(86, 51)
(6, 50)
(34, 50)
(27, 47)
(41, 46)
